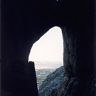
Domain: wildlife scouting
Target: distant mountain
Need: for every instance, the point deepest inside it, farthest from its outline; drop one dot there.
(48, 64)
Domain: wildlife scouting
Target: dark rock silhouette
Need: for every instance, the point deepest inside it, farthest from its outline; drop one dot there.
(24, 22)
(19, 79)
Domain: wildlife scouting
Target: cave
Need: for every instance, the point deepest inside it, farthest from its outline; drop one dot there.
(47, 54)
(24, 22)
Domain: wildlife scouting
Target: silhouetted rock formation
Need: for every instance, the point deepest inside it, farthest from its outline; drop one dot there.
(18, 79)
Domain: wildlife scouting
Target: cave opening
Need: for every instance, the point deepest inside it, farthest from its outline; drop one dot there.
(47, 53)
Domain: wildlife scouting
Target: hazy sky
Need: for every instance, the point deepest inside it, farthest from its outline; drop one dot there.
(49, 48)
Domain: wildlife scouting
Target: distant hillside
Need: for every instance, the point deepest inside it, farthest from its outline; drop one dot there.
(41, 75)
(52, 83)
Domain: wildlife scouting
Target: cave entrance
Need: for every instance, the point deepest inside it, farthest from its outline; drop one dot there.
(47, 53)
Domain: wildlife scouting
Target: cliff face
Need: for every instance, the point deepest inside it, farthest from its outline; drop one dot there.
(56, 84)
(51, 84)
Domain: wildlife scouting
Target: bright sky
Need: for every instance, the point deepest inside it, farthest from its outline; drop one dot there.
(49, 48)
